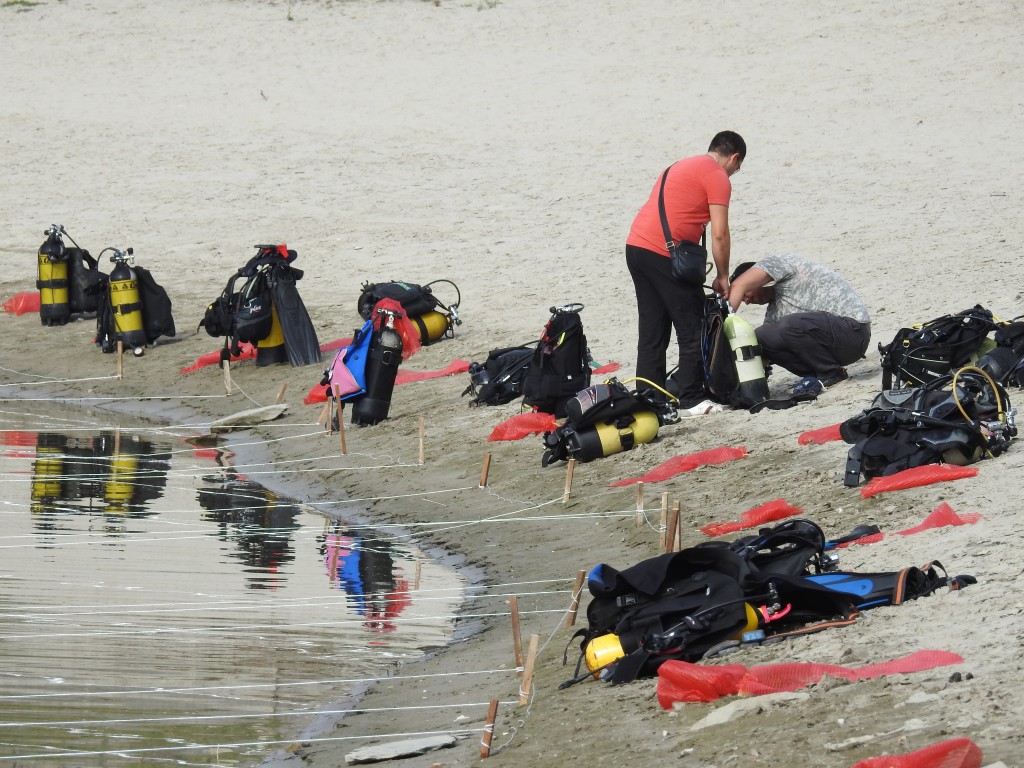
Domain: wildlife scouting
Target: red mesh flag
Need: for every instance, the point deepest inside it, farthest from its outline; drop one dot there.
(330, 346)
(766, 513)
(22, 303)
(403, 325)
(820, 436)
(955, 753)
(911, 478)
(678, 464)
(523, 425)
(246, 352)
(606, 368)
(316, 394)
(942, 516)
(685, 682)
(456, 366)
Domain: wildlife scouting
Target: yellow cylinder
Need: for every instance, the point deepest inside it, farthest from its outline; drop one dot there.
(432, 325)
(747, 357)
(47, 471)
(753, 621)
(271, 350)
(601, 651)
(642, 429)
(53, 290)
(126, 307)
(119, 489)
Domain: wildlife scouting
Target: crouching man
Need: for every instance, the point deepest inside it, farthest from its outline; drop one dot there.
(815, 323)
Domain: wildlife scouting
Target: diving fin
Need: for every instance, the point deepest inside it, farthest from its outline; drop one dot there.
(300, 339)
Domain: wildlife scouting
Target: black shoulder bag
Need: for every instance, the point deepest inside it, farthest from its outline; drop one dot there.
(689, 260)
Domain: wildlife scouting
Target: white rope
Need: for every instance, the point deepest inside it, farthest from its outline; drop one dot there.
(247, 716)
(249, 686)
(192, 747)
(358, 620)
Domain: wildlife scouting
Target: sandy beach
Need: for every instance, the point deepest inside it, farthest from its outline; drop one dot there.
(505, 145)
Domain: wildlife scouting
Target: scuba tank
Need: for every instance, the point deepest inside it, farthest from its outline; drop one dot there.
(125, 303)
(605, 419)
(52, 278)
(383, 359)
(432, 325)
(612, 436)
(753, 383)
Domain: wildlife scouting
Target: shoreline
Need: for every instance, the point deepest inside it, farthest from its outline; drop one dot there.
(506, 146)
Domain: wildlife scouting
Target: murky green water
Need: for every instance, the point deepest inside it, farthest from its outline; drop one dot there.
(158, 607)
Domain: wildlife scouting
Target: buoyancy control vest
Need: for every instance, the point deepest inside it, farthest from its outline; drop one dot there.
(560, 366)
(958, 418)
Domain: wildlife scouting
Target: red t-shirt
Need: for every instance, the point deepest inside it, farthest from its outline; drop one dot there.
(693, 185)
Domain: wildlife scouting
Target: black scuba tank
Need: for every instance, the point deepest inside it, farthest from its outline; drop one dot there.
(385, 355)
(52, 279)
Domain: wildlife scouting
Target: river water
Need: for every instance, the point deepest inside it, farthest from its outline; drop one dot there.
(158, 607)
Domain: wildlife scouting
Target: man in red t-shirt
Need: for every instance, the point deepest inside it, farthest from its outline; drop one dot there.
(697, 191)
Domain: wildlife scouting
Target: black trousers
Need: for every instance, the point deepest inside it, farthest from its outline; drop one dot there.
(663, 304)
(814, 343)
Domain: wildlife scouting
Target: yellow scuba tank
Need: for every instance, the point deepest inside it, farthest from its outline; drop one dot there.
(431, 325)
(605, 438)
(753, 383)
(271, 349)
(52, 279)
(125, 302)
(602, 651)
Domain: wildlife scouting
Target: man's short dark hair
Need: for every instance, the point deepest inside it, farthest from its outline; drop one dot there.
(740, 270)
(728, 143)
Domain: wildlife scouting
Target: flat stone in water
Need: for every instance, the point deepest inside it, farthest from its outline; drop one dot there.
(396, 749)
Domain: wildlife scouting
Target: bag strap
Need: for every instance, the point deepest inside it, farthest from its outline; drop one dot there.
(669, 242)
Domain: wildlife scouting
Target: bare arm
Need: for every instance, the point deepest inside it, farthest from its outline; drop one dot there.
(751, 280)
(720, 247)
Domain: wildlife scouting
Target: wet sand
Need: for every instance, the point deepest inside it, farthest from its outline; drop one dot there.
(506, 146)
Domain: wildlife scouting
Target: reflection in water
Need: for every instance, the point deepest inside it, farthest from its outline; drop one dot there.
(253, 518)
(157, 607)
(95, 476)
(365, 569)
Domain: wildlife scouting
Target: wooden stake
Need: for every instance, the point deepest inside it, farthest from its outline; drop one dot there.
(341, 420)
(568, 480)
(325, 416)
(577, 590)
(226, 365)
(486, 468)
(485, 739)
(423, 430)
(517, 640)
(679, 528)
(639, 505)
(531, 660)
(673, 526)
(120, 359)
(117, 441)
(664, 520)
(419, 571)
(280, 393)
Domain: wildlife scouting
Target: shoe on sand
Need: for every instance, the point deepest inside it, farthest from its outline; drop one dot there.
(835, 378)
(703, 408)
